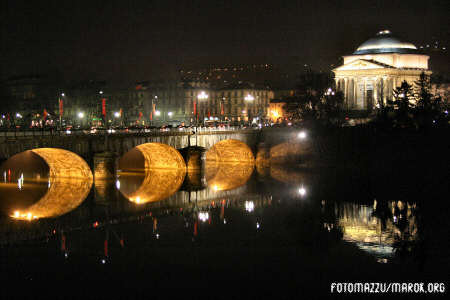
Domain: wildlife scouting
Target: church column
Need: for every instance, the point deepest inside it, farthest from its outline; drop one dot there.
(345, 91)
(375, 90)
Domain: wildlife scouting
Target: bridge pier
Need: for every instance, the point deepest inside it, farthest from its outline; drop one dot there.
(105, 165)
(194, 157)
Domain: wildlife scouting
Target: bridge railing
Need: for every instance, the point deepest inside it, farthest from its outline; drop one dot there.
(8, 133)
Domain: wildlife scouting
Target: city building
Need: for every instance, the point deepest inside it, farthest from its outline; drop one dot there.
(377, 67)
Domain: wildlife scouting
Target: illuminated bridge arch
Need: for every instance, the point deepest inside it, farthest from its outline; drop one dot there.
(230, 151)
(57, 163)
(152, 156)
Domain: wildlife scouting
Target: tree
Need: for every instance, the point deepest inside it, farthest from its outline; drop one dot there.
(309, 95)
(402, 103)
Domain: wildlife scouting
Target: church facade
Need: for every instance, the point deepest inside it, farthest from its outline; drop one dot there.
(369, 76)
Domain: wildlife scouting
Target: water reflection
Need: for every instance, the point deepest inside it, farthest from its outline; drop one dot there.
(150, 186)
(227, 176)
(63, 195)
(382, 229)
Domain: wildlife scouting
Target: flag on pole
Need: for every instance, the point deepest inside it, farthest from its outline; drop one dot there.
(104, 107)
(60, 107)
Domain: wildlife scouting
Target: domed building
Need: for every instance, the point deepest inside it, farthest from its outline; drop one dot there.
(368, 76)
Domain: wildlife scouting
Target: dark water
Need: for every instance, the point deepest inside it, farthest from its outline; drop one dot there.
(236, 225)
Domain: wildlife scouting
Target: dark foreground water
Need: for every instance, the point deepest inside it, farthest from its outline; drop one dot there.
(274, 231)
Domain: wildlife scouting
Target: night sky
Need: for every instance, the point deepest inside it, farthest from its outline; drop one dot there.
(139, 40)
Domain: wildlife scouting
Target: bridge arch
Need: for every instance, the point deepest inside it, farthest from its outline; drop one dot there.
(56, 162)
(151, 156)
(230, 151)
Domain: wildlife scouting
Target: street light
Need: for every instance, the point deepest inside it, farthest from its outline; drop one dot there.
(117, 114)
(157, 113)
(250, 98)
(202, 96)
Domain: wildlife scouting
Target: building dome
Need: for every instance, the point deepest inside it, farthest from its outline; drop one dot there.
(384, 42)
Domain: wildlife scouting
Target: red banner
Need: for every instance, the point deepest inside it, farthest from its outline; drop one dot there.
(195, 108)
(120, 111)
(104, 107)
(140, 115)
(45, 113)
(151, 116)
(60, 107)
(221, 108)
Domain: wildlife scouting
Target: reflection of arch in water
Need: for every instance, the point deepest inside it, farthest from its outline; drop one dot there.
(227, 176)
(287, 175)
(151, 186)
(286, 152)
(230, 151)
(63, 196)
(151, 156)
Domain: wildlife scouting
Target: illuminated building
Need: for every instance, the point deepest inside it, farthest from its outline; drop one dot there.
(368, 76)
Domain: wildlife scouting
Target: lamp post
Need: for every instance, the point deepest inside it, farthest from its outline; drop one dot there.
(61, 103)
(200, 97)
(81, 116)
(249, 99)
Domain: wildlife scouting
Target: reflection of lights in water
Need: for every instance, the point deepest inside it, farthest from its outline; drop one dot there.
(20, 182)
(249, 206)
(203, 216)
(302, 191)
(118, 184)
(24, 216)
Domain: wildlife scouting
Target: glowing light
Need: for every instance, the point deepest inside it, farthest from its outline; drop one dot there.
(302, 191)
(249, 98)
(68, 131)
(18, 115)
(80, 115)
(203, 216)
(138, 199)
(117, 114)
(257, 225)
(249, 206)
(215, 188)
(101, 92)
(16, 214)
(275, 114)
(302, 135)
(170, 113)
(118, 184)
(157, 236)
(103, 261)
(157, 113)
(202, 95)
